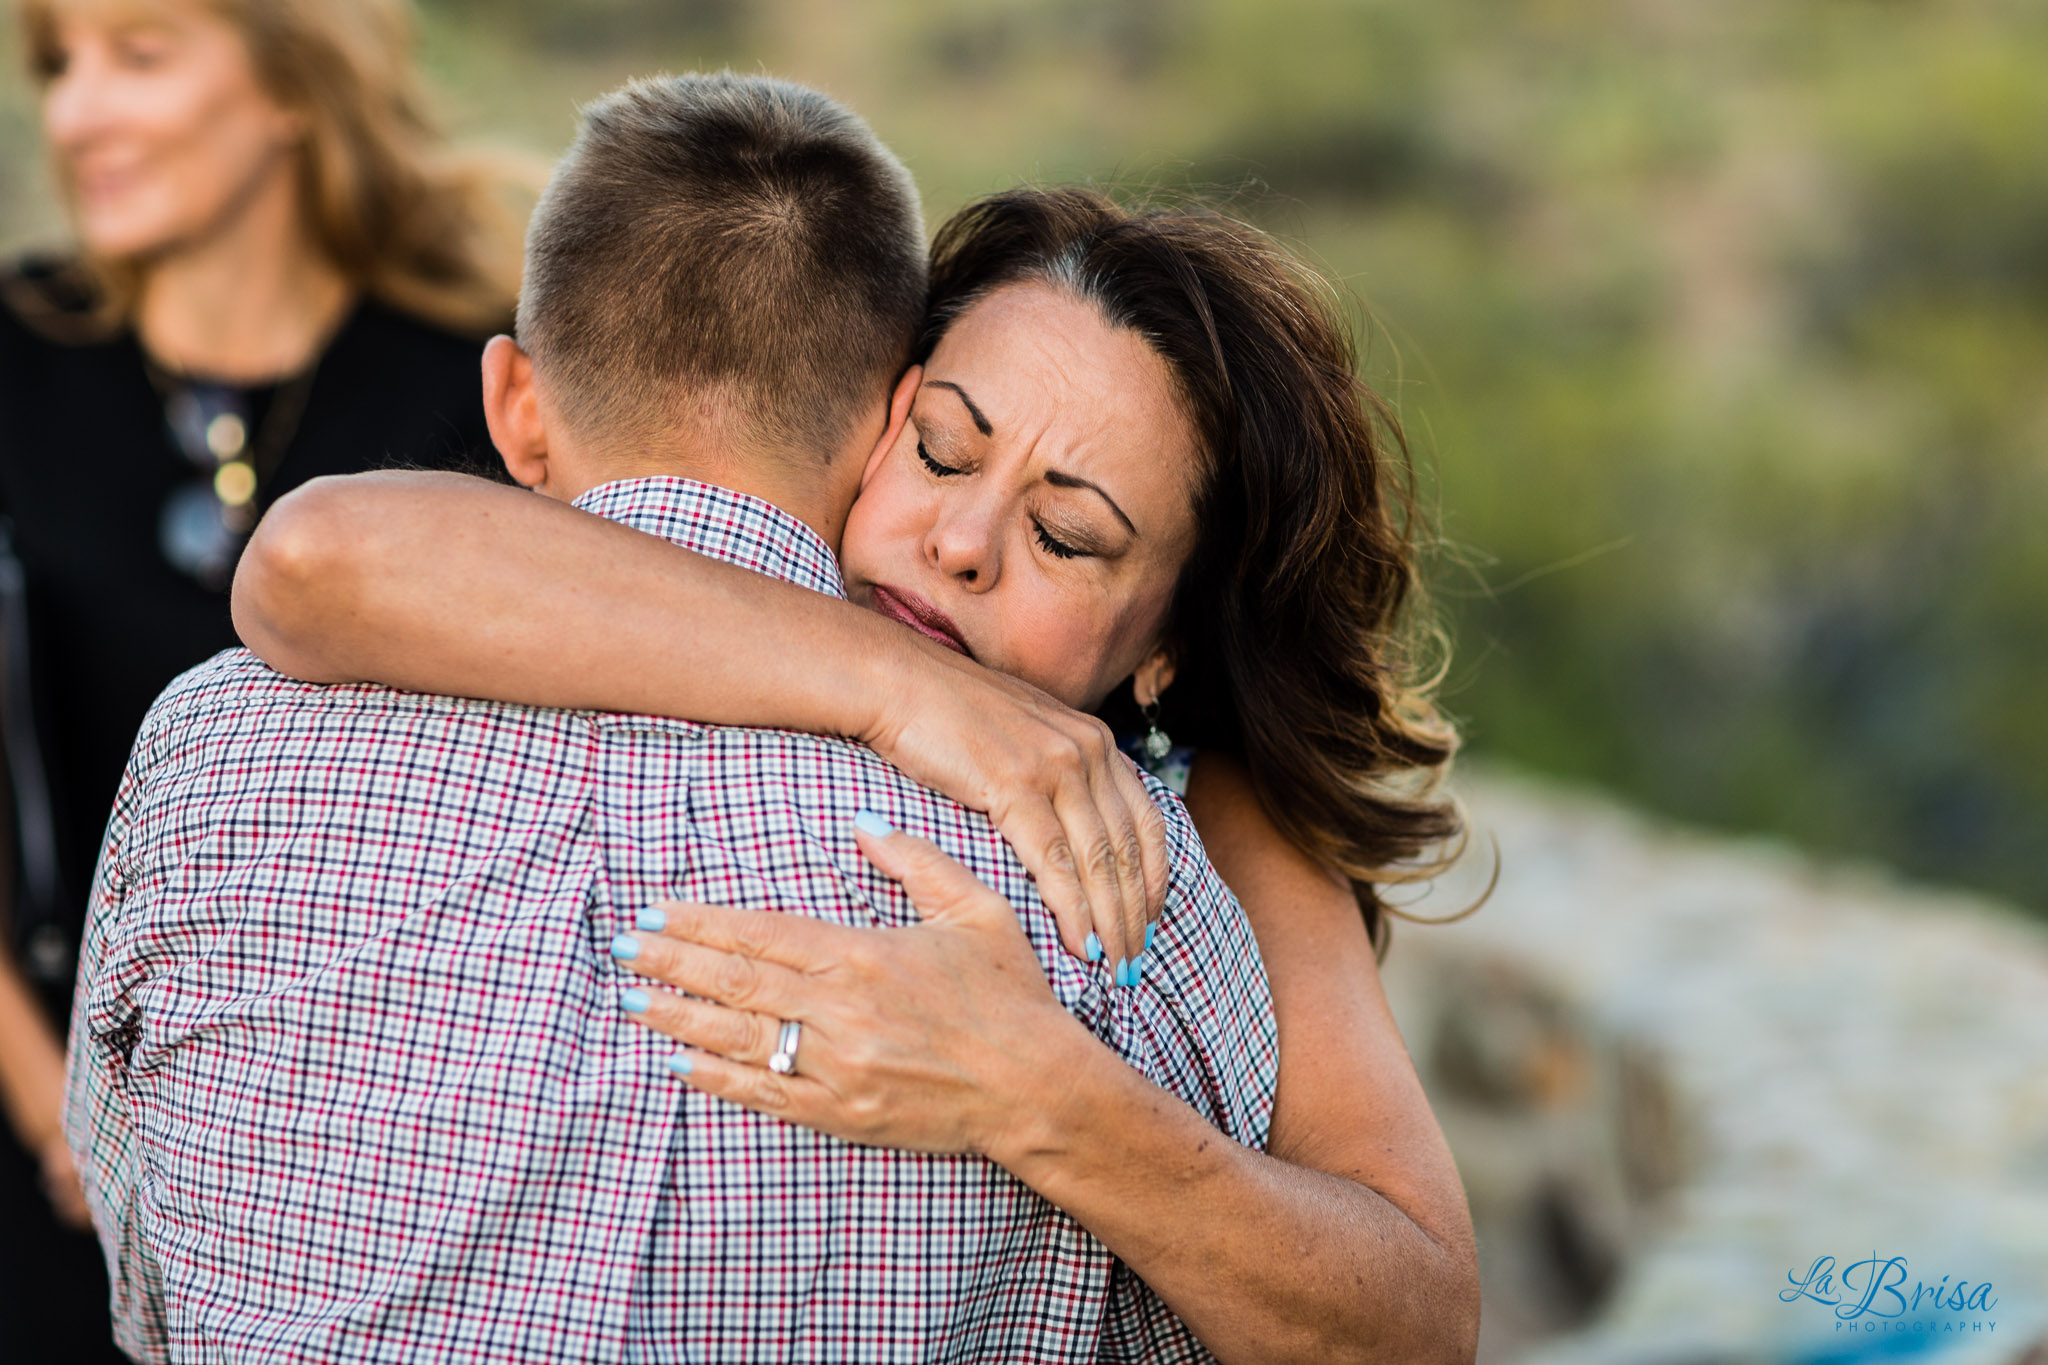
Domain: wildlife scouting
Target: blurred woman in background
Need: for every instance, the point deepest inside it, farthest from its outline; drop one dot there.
(280, 273)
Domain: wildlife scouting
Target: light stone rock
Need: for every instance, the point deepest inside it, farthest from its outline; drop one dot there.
(1826, 1062)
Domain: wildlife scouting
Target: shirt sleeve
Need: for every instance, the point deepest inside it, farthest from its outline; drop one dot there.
(1199, 1024)
(1137, 1326)
(99, 1124)
(1200, 1021)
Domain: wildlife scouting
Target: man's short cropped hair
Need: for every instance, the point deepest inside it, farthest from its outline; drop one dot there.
(726, 247)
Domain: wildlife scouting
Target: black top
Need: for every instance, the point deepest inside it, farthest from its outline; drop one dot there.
(86, 467)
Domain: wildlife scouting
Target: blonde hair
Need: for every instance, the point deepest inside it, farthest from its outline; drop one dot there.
(405, 219)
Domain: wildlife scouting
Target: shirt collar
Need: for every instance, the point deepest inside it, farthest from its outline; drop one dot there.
(735, 527)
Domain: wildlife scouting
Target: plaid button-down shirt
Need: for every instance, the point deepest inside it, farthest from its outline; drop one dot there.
(350, 1080)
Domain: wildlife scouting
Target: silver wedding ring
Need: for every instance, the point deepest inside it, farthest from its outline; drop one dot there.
(783, 1060)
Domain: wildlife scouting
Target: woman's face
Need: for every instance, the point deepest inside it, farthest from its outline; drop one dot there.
(157, 125)
(1038, 506)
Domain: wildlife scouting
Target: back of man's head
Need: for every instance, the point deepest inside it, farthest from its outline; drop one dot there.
(722, 258)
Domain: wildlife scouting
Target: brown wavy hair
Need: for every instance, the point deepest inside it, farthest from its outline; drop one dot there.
(1291, 646)
(432, 233)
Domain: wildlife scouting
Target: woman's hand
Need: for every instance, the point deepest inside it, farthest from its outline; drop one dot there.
(1052, 780)
(61, 1185)
(32, 1091)
(937, 1037)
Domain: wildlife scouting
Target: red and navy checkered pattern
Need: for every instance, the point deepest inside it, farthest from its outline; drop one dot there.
(350, 1081)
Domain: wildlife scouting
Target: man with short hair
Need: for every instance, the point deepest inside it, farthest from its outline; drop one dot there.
(350, 1079)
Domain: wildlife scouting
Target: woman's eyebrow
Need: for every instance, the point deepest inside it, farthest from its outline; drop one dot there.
(981, 423)
(1059, 480)
(1052, 476)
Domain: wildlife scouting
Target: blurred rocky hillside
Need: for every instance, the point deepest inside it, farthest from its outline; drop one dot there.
(1676, 1069)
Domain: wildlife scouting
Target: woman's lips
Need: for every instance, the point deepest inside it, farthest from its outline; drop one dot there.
(103, 178)
(921, 616)
(97, 189)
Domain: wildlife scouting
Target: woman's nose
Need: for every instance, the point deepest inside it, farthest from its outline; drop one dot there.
(74, 104)
(963, 546)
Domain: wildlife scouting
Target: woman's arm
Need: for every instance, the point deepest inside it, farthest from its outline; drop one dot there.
(444, 583)
(32, 1088)
(1350, 1242)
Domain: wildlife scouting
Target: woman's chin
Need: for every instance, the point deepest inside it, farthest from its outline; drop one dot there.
(121, 236)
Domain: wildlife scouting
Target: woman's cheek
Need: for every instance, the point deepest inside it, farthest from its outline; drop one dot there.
(1061, 646)
(882, 537)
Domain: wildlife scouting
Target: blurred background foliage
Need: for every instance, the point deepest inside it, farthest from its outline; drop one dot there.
(1720, 330)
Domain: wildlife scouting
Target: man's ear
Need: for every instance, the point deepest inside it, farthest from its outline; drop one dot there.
(899, 413)
(512, 411)
(1153, 677)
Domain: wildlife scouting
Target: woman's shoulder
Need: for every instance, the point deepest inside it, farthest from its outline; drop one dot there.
(394, 325)
(51, 300)
(1293, 898)
(382, 349)
(392, 389)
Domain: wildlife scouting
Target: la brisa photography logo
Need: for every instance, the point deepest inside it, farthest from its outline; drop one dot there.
(1881, 1294)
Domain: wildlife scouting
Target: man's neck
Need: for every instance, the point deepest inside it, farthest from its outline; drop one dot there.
(819, 498)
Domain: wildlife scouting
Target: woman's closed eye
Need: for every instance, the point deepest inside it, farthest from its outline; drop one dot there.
(143, 47)
(939, 470)
(142, 56)
(1057, 548)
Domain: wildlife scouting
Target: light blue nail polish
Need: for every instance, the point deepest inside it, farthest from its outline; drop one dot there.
(653, 921)
(635, 1001)
(1138, 965)
(1093, 947)
(680, 1063)
(625, 947)
(1123, 971)
(867, 822)
(1150, 929)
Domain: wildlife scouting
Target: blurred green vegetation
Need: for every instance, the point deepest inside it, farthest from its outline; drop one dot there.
(1721, 331)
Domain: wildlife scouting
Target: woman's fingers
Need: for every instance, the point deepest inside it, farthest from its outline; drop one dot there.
(941, 888)
(732, 979)
(1099, 806)
(919, 1038)
(1056, 785)
(1154, 862)
(1123, 796)
(798, 1098)
(1059, 826)
(1034, 830)
(949, 897)
(796, 941)
(1082, 811)
(742, 1035)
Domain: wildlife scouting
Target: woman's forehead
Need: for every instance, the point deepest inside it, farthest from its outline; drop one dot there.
(1035, 359)
(113, 12)
(1042, 369)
